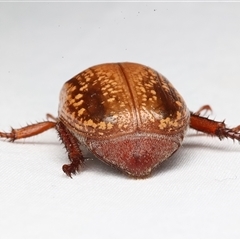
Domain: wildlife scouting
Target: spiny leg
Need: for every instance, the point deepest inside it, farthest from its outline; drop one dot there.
(74, 152)
(50, 116)
(205, 108)
(28, 131)
(213, 128)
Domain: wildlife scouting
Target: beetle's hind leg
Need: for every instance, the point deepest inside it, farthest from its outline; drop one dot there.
(205, 108)
(74, 152)
(213, 128)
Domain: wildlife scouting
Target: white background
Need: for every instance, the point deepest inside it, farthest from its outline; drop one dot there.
(196, 193)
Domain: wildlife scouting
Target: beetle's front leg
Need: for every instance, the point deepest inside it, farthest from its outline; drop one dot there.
(74, 152)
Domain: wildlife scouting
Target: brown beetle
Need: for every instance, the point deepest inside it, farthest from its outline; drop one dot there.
(126, 114)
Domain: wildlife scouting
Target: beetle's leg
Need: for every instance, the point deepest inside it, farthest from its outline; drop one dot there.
(50, 116)
(28, 131)
(74, 152)
(213, 128)
(205, 108)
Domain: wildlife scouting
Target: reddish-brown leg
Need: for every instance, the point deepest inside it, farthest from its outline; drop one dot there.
(213, 128)
(50, 116)
(28, 131)
(205, 108)
(74, 152)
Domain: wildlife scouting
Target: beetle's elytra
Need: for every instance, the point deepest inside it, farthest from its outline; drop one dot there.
(127, 114)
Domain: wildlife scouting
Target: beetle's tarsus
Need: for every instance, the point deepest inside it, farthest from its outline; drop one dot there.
(233, 133)
(10, 135)
(70, 169)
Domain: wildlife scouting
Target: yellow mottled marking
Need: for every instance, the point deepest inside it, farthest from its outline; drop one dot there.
(73, 88)
(80, 112)
(73, 114)
(78, 96)
(179, 103)
(90, 123)
(109, 125)
(111, 100)
(143, 89)
(153, 92)
(102, 125)
(71, 101)
(88, 79)
(115, 91)
(165, 87)
(169, 123)
(83, 87)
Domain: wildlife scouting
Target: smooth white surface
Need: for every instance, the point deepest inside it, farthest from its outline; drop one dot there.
(196, 193)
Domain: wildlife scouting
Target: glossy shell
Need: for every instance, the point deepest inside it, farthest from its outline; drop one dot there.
(125, 113)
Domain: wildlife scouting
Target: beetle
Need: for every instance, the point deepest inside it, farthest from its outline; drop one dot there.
(127, 114)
